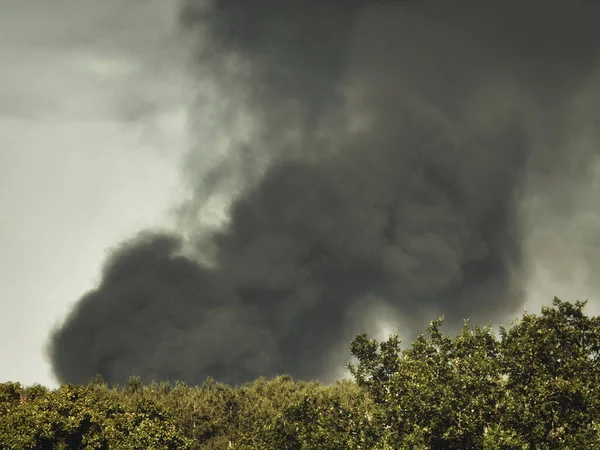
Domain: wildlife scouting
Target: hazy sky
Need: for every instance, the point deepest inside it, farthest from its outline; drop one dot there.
(93, 104)
(92, 122)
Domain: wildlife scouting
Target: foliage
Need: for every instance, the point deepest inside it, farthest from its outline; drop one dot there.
(535, 386)
(85, 417)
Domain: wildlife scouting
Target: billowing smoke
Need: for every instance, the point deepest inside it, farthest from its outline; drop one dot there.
(373, 156)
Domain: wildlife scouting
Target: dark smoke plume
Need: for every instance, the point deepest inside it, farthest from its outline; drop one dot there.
(382, 158)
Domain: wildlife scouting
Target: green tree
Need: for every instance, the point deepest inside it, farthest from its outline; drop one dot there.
(441, 393)
(536, 388)
(552, 368)
(89, 417)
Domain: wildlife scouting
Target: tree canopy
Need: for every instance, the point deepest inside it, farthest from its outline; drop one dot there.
(535, 386)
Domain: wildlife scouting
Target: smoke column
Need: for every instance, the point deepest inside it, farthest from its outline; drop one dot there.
(374, 156)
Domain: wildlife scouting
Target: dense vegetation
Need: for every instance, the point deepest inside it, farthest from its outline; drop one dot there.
(535, 387)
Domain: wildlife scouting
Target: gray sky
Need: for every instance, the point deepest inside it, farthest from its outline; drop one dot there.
(92, 122)
(92, 133)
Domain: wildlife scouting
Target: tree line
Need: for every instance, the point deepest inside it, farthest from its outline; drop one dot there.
(536, 386)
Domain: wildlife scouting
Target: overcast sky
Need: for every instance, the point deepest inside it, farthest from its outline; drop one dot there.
(92, 122)
(92, 132)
